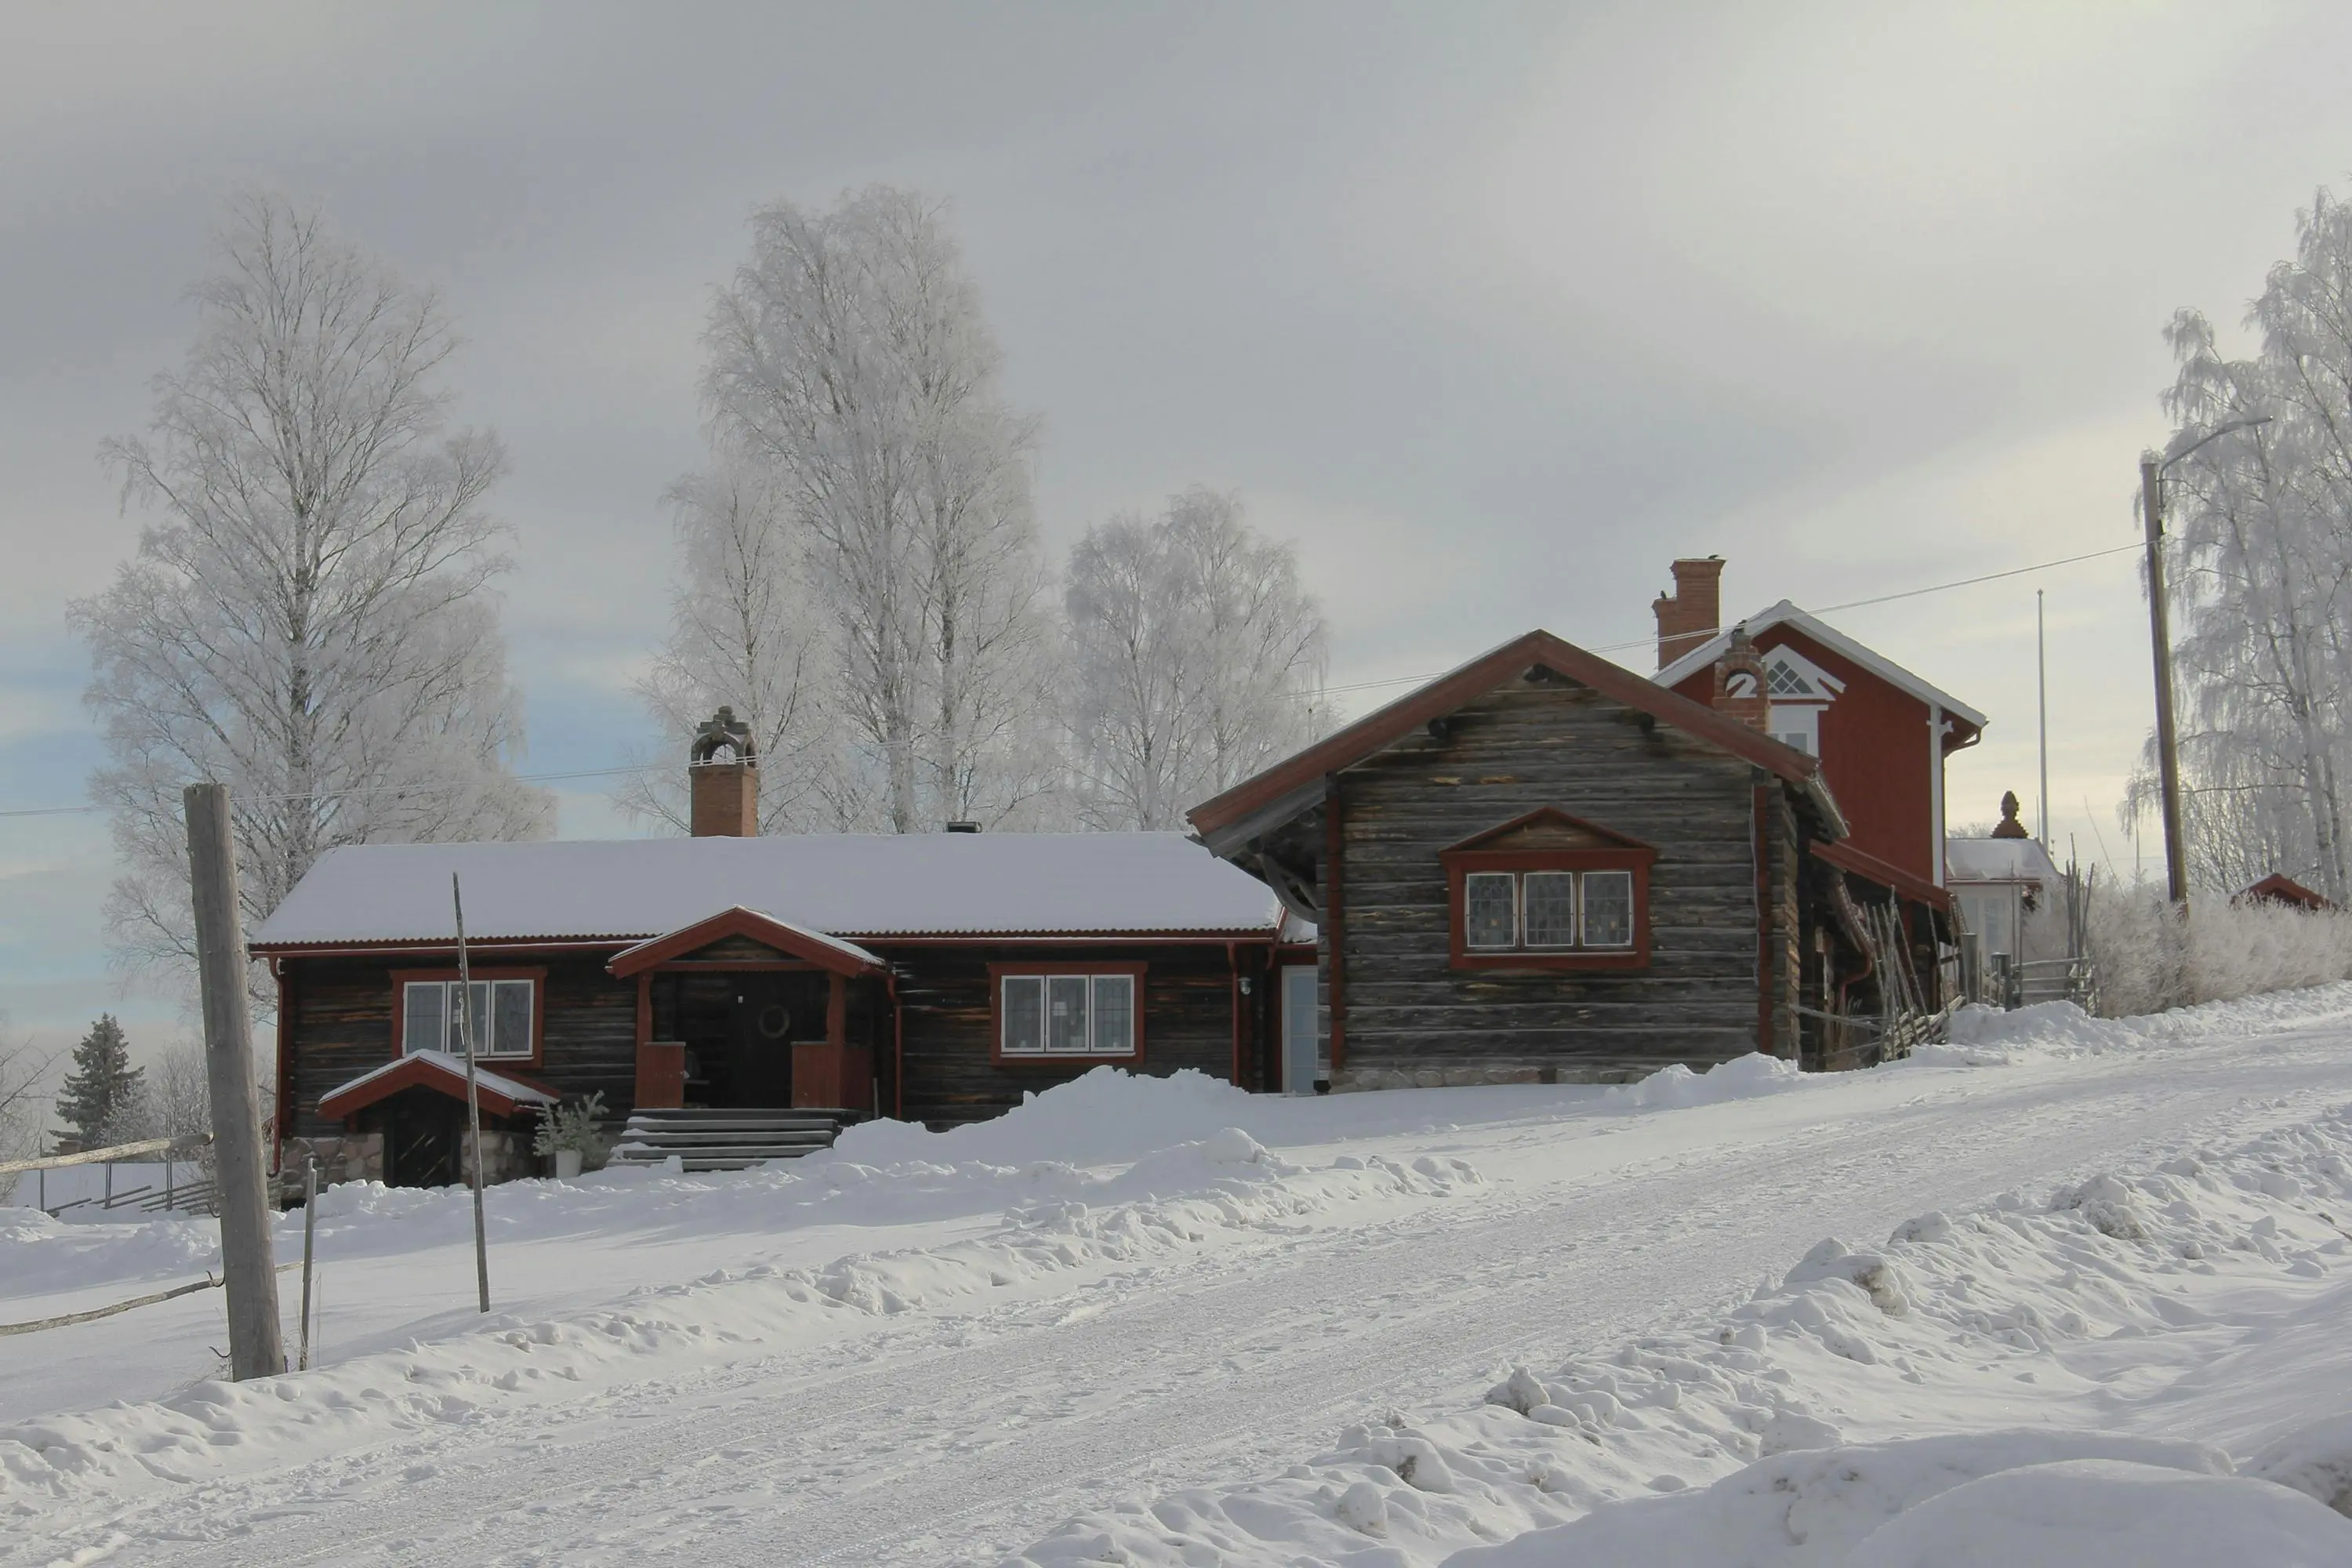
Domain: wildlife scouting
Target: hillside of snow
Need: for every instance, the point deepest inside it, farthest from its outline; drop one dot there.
(1163, 1321)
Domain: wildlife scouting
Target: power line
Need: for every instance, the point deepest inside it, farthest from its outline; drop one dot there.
(1824, 610)
(1320, 692)
(362, 794)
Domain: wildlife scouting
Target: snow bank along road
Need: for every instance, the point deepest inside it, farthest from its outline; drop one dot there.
(996, 1345)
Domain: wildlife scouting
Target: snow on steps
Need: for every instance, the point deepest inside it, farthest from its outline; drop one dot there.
(727, 1139)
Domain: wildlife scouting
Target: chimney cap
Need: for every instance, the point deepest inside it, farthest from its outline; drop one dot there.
(723, 729)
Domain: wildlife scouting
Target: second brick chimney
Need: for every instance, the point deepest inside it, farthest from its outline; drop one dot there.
(1740, 690)
(724, 791)
(1692, 612)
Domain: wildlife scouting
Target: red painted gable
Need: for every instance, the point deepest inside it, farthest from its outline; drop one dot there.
(1875, 755)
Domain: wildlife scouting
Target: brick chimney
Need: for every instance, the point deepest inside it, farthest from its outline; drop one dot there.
(1692, 612)
(1739, 691)
(724, 791)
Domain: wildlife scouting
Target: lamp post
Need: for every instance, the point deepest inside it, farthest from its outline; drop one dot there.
(2168, 755)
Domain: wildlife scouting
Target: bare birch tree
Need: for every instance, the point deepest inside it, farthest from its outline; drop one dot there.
(1197, 658)
(745, 633)
(24, 1101)
(308, 619)
(2261, 535)
(849, 358)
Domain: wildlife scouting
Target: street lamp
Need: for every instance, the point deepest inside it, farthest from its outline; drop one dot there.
(2168, 755)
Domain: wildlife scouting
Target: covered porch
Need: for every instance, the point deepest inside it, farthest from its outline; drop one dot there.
(744, 1011)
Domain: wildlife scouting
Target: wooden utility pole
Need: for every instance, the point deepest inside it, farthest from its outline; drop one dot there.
(473, 1092)
(255, 1346)
(2159, 626)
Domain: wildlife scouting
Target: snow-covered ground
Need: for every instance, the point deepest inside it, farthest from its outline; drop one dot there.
(1166, 1322)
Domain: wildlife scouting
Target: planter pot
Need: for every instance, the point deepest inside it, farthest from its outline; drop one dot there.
(567, 1164)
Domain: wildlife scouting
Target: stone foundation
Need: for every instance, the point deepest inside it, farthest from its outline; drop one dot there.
(1464, 1075)
(350, 1157)
(506, 1157)
(359, 1157)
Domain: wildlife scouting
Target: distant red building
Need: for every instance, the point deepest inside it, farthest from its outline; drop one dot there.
(1882, 732)
(2278, 887)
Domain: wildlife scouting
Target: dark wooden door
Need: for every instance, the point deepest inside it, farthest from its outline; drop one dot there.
(766, 1018)
(420, 1145)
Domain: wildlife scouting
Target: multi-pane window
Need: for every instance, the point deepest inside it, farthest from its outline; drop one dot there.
(1489, 913)
(498, 1017)
(1044, 1016)
(1547, 901)
(1608, 907)
(1562, 911)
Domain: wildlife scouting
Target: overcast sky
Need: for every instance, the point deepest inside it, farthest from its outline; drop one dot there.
(1492, 310)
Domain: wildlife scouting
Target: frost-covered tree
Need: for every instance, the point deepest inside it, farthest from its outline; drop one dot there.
(745, 633)
(102, 1085)
(307, 619)
(849, 359)
(2260, 534)
(1196, 658)
(173, 1097)
(22, 1071)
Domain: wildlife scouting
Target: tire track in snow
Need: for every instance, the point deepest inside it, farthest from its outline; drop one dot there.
(974, 1436)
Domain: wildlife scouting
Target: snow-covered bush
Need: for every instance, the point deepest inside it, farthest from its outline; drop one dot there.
(2149, 961)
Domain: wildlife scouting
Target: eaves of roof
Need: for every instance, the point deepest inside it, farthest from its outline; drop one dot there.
(1536, 649)
(1829, 637)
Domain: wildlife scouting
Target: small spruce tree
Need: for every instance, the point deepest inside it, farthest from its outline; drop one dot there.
(102, 1084)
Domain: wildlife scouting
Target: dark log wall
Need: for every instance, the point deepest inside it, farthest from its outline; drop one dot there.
(342, 1027)
(1188, 1022)
(1409, 1012)
(1784, 930)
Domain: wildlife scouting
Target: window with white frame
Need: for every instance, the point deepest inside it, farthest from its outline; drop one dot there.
(1539, 911)
(1046, 1017)
(498, 1017)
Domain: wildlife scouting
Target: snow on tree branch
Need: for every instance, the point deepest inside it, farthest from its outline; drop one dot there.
(1196, 658)
(307, 619)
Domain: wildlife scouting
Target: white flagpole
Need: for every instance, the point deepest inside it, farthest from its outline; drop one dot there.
(473, 1092)
(2042, 710)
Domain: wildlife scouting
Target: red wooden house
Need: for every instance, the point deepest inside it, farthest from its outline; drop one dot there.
(761, 982)
(1882, 733)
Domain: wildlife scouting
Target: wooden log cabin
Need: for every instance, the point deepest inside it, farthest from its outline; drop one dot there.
(1542, 866)
(935, 977)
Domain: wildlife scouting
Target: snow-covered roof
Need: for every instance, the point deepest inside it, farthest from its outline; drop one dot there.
(830, 952)
(451, 1072)
(843, 885)
(1998, 860)
(1829, 637)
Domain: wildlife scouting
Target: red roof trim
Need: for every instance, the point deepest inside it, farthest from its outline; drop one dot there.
(364, 947)
(1473, 681)
(1846, 858)
(1547, 814)
(825, 953)
(421, 1072)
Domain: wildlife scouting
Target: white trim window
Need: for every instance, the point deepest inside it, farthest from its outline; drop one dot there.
(499, 1016)
(1490, 912)
(1607, 907)
(1799, 689)
(1547, 911)
(1077, 1016)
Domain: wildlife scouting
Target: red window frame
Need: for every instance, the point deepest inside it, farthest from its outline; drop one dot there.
(1621, 854)
(537, 978)
(997, 974)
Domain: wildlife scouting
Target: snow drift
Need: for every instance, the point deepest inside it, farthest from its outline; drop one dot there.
(1744, 1441)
